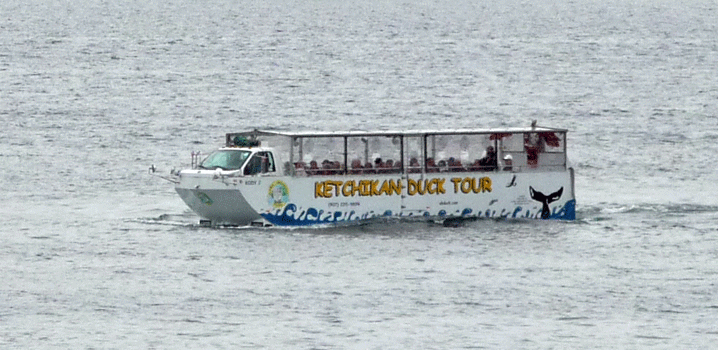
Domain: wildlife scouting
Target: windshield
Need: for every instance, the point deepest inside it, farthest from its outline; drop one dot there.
(225, 160)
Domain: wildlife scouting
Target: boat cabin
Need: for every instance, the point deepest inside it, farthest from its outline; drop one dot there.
(262, 152)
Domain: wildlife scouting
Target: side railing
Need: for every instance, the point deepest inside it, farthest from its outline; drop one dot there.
(196, 159)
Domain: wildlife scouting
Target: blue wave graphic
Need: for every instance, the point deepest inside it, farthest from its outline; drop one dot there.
(291, 215)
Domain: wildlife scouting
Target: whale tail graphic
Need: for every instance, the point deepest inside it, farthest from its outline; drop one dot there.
(545, 200)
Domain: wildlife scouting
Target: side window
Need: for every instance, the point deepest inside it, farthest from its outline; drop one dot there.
(261, 162)
(267, 162)
(254, 165)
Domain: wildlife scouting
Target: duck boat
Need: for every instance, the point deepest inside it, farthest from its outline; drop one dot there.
(276, 178)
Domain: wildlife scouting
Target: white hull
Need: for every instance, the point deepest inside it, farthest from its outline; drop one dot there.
(347, 199)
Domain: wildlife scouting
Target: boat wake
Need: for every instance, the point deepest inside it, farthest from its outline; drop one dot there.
(381, 225)
(671, 209)
(187, 220)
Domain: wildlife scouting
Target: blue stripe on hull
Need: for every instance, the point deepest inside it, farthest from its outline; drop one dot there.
(291, 215)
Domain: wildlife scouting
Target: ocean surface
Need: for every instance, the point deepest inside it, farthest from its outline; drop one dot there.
(98, 254)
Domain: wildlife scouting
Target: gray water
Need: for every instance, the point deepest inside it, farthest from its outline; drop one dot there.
(97, 254)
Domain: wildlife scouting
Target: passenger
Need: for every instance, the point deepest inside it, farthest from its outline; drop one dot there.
(488, 162)
(389, 166)
(254, 165)
(334, 167)
(300, 168)
(330, 168)
(455, 165)
(338, 167)
(379, 166)
(508, 162)
(327, 167)
(443, 167)
(431, 166)
(532, 145)
(313, 168)
(356, 167)
(398, 167)
(414, 166)
(368, 169)
(265, 164)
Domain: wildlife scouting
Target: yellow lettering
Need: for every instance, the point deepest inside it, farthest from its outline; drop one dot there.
(440, 186)
(337, 187)
(395, 186)
(356, 188)
(430, 186)
(486, 184)
(476, 185)
(348, 188)
(318, 190)
(421, 187)
(375, 189)
(466, 185)
(327, 190)
(365, 188)
(411, 187)
(456, 181)
(385, 189)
